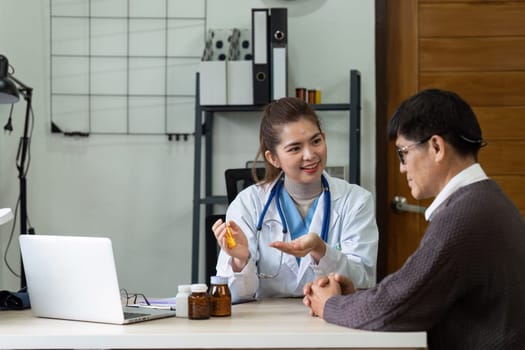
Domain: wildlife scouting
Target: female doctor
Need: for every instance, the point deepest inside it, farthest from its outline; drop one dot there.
(298, 223)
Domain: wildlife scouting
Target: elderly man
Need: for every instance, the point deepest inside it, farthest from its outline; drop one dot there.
(465, 284)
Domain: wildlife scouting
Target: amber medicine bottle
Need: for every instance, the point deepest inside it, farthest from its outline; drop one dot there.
(220, 297)
(198, 302)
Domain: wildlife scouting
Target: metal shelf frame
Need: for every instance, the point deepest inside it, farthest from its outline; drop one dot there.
(204, 130)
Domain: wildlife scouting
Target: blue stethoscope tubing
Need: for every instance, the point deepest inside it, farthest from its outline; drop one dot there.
(276, 190)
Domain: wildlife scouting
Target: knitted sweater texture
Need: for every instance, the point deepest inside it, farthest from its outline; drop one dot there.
(464, 285)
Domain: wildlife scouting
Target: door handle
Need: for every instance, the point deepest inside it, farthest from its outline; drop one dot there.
(399, 203)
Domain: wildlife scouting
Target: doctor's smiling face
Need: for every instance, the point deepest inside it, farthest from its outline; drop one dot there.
(291, 140)
(301, 152)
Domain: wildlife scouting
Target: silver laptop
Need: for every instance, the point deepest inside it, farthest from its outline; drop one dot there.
(75, 278)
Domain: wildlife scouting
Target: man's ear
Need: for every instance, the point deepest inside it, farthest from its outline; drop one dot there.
(270, 157)
(437, 143)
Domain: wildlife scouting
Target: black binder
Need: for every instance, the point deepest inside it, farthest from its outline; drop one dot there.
(279, 52)
(261, 57)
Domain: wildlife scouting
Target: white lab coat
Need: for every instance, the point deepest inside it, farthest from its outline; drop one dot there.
(351, 248)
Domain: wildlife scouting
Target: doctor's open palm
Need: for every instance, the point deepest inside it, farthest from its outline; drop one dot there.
(310, 243)
(240, 251)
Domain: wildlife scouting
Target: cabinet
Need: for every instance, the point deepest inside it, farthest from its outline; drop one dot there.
(204, 131)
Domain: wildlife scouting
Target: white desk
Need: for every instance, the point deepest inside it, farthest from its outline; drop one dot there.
(272, 323)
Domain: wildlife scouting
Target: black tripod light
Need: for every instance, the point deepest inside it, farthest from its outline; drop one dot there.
(10, 91)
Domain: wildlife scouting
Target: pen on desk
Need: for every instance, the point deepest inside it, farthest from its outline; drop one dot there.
(160, 307)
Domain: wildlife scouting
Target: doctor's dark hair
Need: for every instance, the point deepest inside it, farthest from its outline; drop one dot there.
(274, 117)
(438, 112)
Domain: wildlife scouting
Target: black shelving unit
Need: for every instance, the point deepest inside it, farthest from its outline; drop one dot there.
(204, 129)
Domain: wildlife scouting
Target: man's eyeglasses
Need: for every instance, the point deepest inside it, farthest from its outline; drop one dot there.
(403, 151)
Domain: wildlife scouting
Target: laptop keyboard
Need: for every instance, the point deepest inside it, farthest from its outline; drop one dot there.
(128, 315)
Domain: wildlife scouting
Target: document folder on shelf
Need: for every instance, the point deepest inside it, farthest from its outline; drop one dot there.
(239, 76)
(212, 70)
(213, 83)
(261, 63)
(279, 52)
(239, 82)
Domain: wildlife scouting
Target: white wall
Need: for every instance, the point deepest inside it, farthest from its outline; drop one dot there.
(138, 189)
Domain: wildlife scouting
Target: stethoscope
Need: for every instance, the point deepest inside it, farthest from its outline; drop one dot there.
(275, 193)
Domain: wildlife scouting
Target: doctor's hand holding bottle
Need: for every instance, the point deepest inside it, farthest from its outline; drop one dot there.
(235, 246)
(298, 222)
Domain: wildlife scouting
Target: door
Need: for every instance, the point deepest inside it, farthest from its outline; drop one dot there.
(475, 48)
